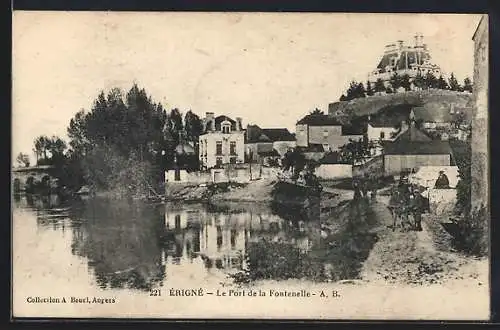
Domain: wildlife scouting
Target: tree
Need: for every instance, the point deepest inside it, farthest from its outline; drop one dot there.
(441, 83)
(419, 81)
(430, 80)
(192, 126)
(379, 86)
(395, 81)
(369, 90)
(293, 160)
(405, 82)
(23, 160)
(41, 148)
(467, 85)
(343, 98)
(453, 83)
(360, 90)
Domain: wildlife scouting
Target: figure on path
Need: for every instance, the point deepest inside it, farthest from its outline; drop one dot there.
(442, 181)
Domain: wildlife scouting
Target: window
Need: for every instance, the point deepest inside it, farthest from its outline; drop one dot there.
(226, 128)
(232, 148)
(218, 161)
(218, 148)
(232, 160)
(382, 135)
(325, 133)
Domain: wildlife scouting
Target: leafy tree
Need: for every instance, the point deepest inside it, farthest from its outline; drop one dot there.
(343, 98)
(379, 86)
(467, 85)
(360, 90)
(389, 90)
(405, 82)
(430, 80)
(41, 148)
(369, 90)
(441, 83)
(192, 126)
(293, 160)
(453, 83)
(23, 160)
(419, 81)
(395, 81)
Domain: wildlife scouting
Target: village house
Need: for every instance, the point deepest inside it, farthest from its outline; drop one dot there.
(433, 118)
(413, 148)
(267, 145)
(222, 141)
(318, 128)
(381, 128)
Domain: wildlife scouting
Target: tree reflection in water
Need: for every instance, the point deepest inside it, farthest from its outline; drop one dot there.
(121, 241)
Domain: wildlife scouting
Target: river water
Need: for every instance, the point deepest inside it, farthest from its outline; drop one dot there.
(129, 245)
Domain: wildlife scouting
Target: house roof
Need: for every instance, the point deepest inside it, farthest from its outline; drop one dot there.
(278, 134)
(319, 119)
(184, 149)
(413, 134)
(404, 147)
(331, 158)
(437, 113)
(312, 147)
(220, 119)
(256, 134)
(415, 142)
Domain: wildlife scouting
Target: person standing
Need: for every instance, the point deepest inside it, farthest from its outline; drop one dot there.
(416, 204)
(442, 181)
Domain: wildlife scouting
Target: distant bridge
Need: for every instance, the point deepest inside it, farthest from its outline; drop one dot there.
(27, 178)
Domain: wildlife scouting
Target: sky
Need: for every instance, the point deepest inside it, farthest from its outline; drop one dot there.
(271, 69)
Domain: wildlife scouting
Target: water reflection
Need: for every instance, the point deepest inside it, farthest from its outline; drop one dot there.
(137, 246)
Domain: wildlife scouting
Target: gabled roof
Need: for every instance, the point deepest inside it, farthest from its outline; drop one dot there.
(415, 142)
(278, 134)
(413, 134)
(256, 134)
(315, 119)
(434, 147)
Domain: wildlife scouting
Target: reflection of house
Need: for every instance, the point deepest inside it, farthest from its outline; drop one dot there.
(411, 149)
(265, 143)
(222, 141)
(318, 128)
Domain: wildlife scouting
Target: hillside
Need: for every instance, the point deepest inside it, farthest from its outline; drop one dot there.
(432, 99)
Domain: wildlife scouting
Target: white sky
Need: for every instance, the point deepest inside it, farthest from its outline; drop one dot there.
(269, 68)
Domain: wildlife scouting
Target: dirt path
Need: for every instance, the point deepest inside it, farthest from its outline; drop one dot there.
(414, 257)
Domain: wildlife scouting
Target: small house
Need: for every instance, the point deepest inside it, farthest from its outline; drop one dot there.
(412, 149)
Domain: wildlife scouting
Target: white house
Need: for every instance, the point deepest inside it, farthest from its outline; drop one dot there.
(222, 141)
(381, 128)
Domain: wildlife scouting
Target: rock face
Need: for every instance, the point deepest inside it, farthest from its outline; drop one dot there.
(433, 98)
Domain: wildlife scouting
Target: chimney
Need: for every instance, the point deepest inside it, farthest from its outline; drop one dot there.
(210, 120)
(239, 126)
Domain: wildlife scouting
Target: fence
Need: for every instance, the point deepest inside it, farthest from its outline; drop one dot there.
(241, 173)
(334, 171)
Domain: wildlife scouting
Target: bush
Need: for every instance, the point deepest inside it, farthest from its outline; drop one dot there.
(472, 232)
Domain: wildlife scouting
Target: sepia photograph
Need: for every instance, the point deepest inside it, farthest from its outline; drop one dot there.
(230, 165)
